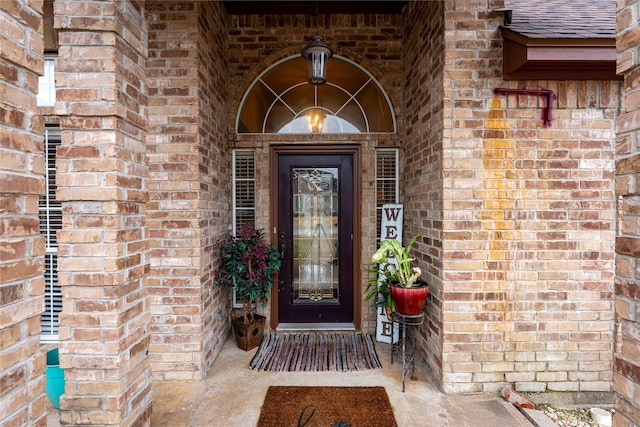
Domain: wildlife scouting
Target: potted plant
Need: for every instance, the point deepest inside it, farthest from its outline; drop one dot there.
(248, 264)
(405, 290)
(378, 291)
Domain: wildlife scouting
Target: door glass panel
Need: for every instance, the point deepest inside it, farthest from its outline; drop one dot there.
(315, 231)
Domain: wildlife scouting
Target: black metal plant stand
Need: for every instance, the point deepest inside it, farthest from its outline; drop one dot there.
(407, 345)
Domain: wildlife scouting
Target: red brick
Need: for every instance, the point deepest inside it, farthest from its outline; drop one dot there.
(11, 183)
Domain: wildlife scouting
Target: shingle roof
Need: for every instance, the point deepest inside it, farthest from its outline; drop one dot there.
(563, 19)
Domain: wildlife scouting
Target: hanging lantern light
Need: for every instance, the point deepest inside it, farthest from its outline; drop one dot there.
(317, 54)
(316, 119)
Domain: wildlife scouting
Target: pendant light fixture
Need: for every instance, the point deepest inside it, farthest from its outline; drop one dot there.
(316, 119)
(317, 54)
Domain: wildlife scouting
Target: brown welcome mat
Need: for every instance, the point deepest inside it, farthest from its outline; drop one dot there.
(315, 351)
(326, 406)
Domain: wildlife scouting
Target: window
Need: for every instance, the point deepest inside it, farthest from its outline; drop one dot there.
(244, 193)
(244, 188)
(281, 100)
(47, 85)
(50, 213)
(387, 181)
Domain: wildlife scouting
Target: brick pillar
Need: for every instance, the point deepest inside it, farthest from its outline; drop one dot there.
(22, 383)
(626, 378)
(423, 151)
(189, 185)
(104, 324)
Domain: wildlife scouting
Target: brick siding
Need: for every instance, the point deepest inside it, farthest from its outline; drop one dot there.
(626, 379)
(422, 165)
(22, 363)
(521, 255)
(102, 255)
(189, 185)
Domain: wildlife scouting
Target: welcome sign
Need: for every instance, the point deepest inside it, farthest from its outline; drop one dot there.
(390, 229)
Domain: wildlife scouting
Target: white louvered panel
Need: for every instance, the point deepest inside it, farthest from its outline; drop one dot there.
(387, 180)
(53, 298)
(50, 214)
(244, 193)
(244, 188)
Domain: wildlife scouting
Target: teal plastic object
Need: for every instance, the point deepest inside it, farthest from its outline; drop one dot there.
(55, 378)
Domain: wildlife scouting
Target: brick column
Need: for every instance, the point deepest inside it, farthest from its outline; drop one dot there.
(626, 378)
(22, 383)
(104, 324)
(189, 185)
(423, 140)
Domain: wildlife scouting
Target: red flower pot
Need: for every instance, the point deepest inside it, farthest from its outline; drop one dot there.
(409, 301)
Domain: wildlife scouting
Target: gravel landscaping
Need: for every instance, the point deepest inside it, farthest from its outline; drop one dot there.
(570, 417)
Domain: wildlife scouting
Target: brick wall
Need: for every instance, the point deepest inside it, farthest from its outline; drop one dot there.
(215, 170)
(22, 364)
(528, 221)
(189, 185)
(103, 247)
(423, 159)
(626, 378)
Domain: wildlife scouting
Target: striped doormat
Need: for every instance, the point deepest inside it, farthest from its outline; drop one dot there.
(315, 351)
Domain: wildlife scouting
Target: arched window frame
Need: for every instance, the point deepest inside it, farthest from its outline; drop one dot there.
(351, 97)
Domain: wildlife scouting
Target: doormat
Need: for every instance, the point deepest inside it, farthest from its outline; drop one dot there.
(326, 407)
(315, 351)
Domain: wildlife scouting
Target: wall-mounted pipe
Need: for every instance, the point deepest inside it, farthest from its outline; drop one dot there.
(547, 94)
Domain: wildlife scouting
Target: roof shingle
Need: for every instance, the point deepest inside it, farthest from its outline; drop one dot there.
(563, 19)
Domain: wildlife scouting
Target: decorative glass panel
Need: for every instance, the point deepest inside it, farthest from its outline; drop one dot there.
(315, 228)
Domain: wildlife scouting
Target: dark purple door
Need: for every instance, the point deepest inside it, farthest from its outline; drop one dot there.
(315, 233)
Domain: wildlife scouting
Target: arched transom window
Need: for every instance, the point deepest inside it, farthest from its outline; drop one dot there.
(282, 101)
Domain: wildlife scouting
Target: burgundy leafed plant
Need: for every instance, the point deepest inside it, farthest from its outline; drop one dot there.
(247, 264)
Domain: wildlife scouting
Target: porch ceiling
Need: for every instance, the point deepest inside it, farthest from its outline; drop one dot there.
(309, 7)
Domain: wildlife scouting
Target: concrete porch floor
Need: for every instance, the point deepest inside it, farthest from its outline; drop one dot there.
(232, 395)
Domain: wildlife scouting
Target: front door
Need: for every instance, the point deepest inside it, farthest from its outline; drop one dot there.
(315, 210)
